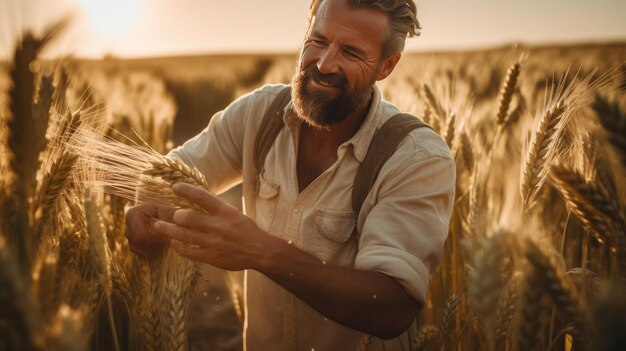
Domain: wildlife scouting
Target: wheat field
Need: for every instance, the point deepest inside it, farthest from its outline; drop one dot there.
(536, 253)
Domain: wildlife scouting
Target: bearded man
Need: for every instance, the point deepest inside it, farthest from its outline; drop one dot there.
(318, 274)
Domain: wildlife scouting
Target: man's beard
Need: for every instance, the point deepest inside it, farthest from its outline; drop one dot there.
(319, 110)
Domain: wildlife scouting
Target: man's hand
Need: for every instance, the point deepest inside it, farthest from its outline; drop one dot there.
(142, 240)
(222, 237)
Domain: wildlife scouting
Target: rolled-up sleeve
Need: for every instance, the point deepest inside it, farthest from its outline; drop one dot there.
(404, 233)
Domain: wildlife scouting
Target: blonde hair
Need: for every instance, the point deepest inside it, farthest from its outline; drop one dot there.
(402, 20)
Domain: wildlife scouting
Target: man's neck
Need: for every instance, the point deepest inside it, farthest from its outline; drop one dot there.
(318, 147)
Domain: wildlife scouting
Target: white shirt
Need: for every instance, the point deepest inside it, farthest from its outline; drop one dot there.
(403, 222)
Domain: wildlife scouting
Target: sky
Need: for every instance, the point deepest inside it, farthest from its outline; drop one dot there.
(144, 28)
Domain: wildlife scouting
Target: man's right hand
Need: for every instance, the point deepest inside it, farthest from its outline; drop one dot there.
(142, 240)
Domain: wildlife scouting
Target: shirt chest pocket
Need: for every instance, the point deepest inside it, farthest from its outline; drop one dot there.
(266, 202)
(333, 229)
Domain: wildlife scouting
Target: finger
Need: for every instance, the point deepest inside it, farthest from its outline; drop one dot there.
(194, 253)
(199, 196)
(192, 219)
(180, 233)
(165, 212)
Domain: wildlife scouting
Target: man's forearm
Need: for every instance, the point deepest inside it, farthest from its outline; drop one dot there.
(371, 302)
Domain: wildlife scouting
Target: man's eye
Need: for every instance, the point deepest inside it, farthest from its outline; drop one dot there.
(315, 42)
(350, 55)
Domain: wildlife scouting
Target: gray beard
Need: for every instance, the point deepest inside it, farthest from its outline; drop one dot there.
(317, 109)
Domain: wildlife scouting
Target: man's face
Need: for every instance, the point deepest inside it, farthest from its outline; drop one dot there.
(339, 63)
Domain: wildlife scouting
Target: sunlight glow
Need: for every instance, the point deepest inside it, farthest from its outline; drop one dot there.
(111, 18)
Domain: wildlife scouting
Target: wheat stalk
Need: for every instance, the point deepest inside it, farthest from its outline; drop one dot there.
(21, 311)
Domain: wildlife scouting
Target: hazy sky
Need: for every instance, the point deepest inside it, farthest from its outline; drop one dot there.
(171, 27)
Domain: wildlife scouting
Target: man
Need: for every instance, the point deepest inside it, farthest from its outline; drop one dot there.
(318, 276)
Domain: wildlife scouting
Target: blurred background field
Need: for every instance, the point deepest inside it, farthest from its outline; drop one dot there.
(536, 255)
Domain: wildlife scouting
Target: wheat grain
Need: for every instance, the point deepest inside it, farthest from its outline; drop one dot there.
(173, 171)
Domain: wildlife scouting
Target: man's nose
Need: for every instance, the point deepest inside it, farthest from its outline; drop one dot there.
(327, 62)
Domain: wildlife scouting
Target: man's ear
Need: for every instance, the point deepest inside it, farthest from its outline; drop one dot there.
(387, 66)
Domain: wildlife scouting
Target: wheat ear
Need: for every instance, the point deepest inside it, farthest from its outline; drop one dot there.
(25, 139)
(506, 93)
(450, 130)
(366, 343)
(614, 122)
(561, 104)
(551, 277)
(433, 102)
(448, 318)
(425, 335)
(53, 183)
(543, 146)
(597, 210)
(505, 313)
(532, 310)
(484, 285)
(181, 278)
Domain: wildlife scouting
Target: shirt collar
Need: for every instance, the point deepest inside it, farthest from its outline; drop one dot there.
(360, 141)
